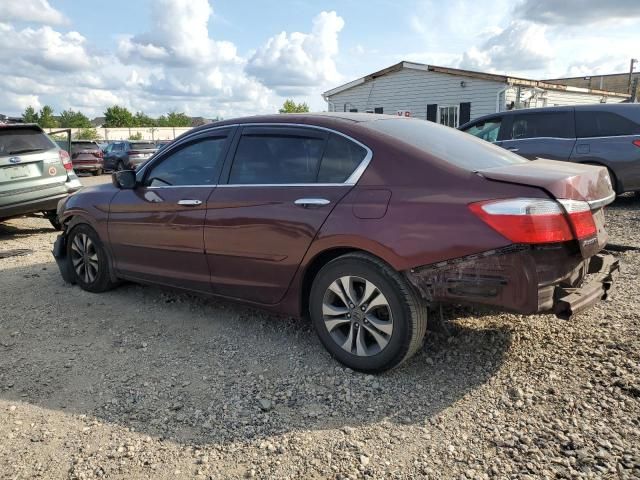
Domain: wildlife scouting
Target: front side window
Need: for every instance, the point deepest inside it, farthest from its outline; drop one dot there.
(198, 163)
(276, 159)
(340, 159)
(534, 125)
(604, 124)
(448, 116)
(487, 130)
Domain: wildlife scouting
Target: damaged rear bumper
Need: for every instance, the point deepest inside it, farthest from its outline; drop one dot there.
(521, 278)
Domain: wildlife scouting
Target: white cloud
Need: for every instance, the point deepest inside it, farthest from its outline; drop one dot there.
(179, 37)
(291, 63)
(520, 47)
(38, 11)
(576, 12)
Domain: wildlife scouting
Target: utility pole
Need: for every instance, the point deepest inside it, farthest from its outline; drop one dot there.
(631, 65)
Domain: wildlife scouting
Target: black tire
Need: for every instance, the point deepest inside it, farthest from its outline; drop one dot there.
(408, 312)
(97, 172)
(101, 280)
(119, 166)
(52, 216)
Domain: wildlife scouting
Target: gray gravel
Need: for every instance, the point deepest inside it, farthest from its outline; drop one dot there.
(144, 383)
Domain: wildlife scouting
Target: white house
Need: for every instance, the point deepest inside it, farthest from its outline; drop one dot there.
(452, 96)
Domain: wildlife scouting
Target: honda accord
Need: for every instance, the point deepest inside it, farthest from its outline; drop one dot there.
(359, 221)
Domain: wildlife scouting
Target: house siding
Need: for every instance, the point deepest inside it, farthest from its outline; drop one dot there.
(412, 90)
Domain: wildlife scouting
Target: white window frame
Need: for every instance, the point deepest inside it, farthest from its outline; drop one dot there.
(457, 113)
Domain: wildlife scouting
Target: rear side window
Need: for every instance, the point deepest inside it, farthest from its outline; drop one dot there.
(14, 141)
(198, 163)
(487, 130)
(604, 124)
(448, 144)
(533, 125)
(276, 159)
(341, 158)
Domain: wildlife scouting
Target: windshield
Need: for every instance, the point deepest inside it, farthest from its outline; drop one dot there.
(14, 141)
(446, 143)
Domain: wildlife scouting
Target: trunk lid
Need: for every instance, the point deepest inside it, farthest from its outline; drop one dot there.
(561, 179)
(565, 180)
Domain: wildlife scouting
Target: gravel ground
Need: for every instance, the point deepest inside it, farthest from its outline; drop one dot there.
(144, 383)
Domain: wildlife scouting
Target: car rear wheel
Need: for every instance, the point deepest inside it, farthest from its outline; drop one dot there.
(89, 260)
(366, 314)
(97, 172)
(52, 216)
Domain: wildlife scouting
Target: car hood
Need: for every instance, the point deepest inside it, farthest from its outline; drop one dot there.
(560, 179)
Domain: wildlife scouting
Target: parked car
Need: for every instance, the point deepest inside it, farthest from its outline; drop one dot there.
(128, 154)
(358, 220)
(600, 134)
(87, 156)
(34, 172)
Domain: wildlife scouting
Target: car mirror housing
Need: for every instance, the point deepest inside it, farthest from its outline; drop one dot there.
(124, 179)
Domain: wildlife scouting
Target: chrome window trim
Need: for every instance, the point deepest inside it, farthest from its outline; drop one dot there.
(572, 139)
(350, 181)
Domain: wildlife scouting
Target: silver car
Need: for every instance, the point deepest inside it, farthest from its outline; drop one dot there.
(35, 173)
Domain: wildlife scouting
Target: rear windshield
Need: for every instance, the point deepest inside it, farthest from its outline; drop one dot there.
(84, 146)
(14, 141)
(448, 144)
(141, 145)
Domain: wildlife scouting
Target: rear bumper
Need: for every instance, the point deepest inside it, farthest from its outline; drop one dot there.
(38, 200)
(521, 279)
(88, 166)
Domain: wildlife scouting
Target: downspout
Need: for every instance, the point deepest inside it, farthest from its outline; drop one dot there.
(500, 92)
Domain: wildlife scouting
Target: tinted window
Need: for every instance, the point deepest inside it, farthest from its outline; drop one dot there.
(448, 144)
(276, 159)
(532, 125)
(83, 146)
(142, 145)
(487, 130)
(340, 159)
(604, 124)
(195, 164)
(14, 141)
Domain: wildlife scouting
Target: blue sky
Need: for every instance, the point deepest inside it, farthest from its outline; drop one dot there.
(228, 58)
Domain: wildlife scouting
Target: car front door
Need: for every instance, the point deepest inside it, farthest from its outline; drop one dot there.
(156, 229)
(540, 134)
(281, 185)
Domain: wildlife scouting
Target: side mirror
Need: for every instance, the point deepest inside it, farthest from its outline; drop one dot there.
(124, 179)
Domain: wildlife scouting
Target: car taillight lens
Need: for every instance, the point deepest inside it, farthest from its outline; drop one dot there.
(535, 220)
(66, 161)
(636, 143)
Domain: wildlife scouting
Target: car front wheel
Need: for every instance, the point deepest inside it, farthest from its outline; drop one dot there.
(89, 260)
(366, 314)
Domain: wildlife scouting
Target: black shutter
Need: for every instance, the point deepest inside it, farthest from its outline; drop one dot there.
(465, 112)
(378, 110)
(432, 112)
(353, 110)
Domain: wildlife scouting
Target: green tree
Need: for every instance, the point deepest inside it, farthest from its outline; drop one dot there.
(87, 134)
(289, 106)
(71, 119)
(141, 119)
(174, 119)
(46, 118)
(136, 136)
(30, 115)
(117, 116)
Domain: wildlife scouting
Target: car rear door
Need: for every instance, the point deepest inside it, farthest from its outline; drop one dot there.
(541, 134)
(156, 229)
(281, 184)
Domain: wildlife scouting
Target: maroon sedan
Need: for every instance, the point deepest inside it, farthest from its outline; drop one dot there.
(358, 220)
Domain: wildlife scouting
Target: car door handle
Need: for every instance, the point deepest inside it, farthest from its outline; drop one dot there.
(513, 149)
(189, 203)
(311, 202)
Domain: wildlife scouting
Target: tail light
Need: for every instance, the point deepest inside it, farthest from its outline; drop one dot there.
(66, 161)
(535, 220)
(636, 143)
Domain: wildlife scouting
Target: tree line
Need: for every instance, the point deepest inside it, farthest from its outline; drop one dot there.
(114, 117)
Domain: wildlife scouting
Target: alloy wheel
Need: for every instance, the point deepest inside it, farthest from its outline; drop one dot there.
(84, 258)
(357, 316)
